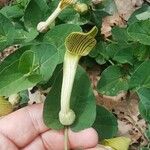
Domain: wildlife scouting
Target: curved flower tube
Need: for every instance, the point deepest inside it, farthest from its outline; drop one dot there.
(78, 44)
(43, 26)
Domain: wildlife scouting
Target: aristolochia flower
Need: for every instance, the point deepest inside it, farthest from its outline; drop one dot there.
(43, 26)
(77, 44)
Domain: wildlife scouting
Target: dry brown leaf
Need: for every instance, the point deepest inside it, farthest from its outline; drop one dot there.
(6, 52)
(109, 22)
(125, 8)
(36, 97)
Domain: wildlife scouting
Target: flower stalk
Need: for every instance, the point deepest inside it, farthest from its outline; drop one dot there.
(77, 44)
(44, 25)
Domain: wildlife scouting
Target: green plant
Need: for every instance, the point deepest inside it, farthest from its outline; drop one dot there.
(124, 57)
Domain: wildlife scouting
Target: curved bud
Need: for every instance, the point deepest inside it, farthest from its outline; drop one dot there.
(81, 7)
(81, 44)
(44, 26)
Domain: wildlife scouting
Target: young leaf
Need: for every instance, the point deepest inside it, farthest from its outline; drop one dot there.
(113, 81)
(7, 32)
(57, 35)
(140, 31)
(144, 104)
(141, 76)
(82, 102)
(105, 124)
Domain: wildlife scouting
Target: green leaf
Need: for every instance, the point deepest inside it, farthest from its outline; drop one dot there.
(144, 104)
(141, 76)
(113, 81)
(57, 35)
(145, 15)
(47, 58)
(12, 12)
(100, 60)
(70, 16)
(27, 67)
(105, 124)
(12, 81)
(124, 55)
(139, 11)
(121, 52)
(147, 132)
(13, 57)
(7, 32)
(120, 34)
(23, 36)
(144, 148)
(26, 62)
(24, 95)
(21, 3)
(100, 49)
(97, 16)
(141, 52)
(109, 6)
(35, 12)
(82, 102)
(140, 31)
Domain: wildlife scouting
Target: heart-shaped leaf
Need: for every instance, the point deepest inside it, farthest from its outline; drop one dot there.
(144, 104)
(140, 31)
(82, 103)
(35, 12)
(113, 81)
(105, 124)
(141, 76)
(7, 32)
(27, 69)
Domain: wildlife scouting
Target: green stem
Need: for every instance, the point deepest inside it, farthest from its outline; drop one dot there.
(66, 138)
(111, 62)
